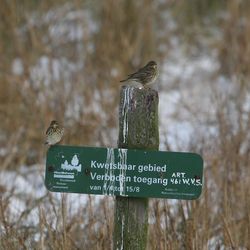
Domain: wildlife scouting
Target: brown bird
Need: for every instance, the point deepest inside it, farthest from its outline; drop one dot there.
(145, 75)
(54, 133)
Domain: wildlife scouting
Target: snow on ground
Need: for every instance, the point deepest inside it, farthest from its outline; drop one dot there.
(185, 97)
(26, 186)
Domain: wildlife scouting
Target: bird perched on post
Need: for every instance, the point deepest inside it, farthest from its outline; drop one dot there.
(54, 133)
(145, 75)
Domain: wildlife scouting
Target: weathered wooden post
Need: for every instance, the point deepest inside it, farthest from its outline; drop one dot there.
(138, 129)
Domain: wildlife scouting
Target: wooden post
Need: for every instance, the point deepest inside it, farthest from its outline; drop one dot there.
(138, 129)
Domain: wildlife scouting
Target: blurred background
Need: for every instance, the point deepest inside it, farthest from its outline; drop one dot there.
(63, 60)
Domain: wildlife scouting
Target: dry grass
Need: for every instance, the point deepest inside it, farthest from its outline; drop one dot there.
(88, 96)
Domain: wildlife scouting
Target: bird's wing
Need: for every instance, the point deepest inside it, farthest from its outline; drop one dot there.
(47, 131)
(142, 73)
(138, 71)
(132, 74)
(136, 75)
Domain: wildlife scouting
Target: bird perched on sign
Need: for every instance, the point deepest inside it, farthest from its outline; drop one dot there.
(54, 133)
(145, 75)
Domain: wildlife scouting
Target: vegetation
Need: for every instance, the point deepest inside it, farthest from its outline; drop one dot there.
(63, 59)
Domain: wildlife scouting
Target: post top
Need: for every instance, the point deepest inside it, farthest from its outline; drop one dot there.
(138, 89)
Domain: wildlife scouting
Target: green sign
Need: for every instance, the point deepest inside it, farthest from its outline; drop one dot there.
(124, 172)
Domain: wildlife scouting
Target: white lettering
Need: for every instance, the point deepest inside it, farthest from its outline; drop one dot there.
(150, 181)
(152, 168)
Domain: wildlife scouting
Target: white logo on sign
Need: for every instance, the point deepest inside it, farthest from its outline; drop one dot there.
(73, 166)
